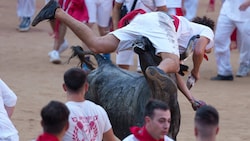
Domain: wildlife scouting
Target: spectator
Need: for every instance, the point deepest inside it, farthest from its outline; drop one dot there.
(8, 99)
(25, 12)
(206, 122)
(54, 121)
(157, 119)
(230, 18)
(87, 121)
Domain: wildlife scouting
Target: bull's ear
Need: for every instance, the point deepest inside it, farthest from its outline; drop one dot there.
(138, 50)
(147, 43)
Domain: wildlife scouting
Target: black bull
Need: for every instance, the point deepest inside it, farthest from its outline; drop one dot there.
(124, 94)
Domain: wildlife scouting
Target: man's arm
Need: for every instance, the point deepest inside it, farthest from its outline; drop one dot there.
(9, 110)
(109, 136)
(183, 88)
(116, 14)
(198, 55)
(244, 5)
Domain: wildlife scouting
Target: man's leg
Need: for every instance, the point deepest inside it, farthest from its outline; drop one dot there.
(223, 31)
(60, 44)
(244, 44)
(170, 63)
(104, 44)
(25, 11)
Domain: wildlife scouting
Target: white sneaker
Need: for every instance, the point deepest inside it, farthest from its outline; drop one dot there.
(54, 57)
(63, 46)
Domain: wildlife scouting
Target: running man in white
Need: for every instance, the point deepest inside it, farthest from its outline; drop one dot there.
(230, 18)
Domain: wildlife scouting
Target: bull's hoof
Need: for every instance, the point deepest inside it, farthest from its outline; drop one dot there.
(159, 76)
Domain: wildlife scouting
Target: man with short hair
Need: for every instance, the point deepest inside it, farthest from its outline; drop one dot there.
(54, 121)
(87, 121)
(206, 123)
(157, 118)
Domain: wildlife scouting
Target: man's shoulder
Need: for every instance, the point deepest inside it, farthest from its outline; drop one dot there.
(130, 138)
(94, 106)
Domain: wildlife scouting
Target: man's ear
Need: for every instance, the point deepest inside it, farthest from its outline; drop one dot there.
(195, 131)
(217, 130)
(67, 126)
(64, 87)
(41, 123)
(86, 86)
(147, 119)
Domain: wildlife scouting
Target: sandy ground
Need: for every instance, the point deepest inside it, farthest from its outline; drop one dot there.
(25, 67)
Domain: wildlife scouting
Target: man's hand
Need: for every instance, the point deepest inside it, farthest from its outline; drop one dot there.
(244, 5)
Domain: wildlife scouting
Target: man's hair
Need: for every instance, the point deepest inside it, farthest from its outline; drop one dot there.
(206, 118)
(154, 104)
(74, 79)
(54, 117)
(204, 21)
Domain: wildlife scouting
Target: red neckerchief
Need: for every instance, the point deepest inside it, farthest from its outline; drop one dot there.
(142, 134)
(128, 17)
(47, 137)
(176, 22)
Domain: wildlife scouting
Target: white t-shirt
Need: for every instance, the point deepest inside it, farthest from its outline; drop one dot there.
(8, 98)
(87, 121)
(157, 26)
(133, 138)
(186, 30)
